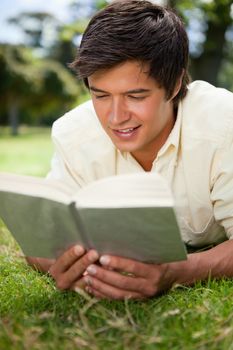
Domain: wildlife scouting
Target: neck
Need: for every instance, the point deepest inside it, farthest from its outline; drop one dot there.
(146, 165)
(145, 160)
(147, 156)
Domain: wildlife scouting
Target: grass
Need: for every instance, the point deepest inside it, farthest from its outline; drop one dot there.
(35, 315)
(29, 153)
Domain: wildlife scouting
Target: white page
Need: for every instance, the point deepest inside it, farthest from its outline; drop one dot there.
(131, 190)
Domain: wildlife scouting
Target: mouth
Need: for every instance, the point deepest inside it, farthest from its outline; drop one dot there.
(126, 132)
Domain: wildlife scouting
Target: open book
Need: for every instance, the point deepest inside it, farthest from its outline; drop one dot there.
(127, 215)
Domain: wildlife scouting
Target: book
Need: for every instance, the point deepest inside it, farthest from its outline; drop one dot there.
(129, 215)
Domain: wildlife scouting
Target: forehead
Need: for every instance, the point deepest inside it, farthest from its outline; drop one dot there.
(126, 73)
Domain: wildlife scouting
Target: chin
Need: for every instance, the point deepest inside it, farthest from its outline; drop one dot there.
(125, 148)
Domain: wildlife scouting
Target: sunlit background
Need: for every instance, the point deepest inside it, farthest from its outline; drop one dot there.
(39, 38)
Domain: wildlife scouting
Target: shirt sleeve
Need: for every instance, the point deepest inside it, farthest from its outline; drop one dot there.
(60, 172)
(222, 192)
(61, 169)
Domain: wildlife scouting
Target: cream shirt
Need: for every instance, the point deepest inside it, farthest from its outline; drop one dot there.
(196, 160)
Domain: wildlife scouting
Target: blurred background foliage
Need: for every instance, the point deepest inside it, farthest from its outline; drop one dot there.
(36, 85)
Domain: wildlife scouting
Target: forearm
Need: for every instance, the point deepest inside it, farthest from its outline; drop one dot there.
(216, 262)
(40, 264)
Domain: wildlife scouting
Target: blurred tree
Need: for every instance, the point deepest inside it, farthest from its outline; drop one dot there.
(15, 82)
(226, 73)
(27, 83)
(35, 26)
(217, 16)
(209, 24)
(35, 87)
(69, 35)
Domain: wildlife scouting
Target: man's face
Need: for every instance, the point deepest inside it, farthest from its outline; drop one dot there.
(132, 109)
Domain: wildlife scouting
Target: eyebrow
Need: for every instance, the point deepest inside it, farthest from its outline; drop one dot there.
(134, 91)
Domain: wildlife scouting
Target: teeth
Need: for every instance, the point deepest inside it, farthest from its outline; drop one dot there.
(126, 130)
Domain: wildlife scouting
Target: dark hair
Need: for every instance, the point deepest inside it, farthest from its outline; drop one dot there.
(136, 30)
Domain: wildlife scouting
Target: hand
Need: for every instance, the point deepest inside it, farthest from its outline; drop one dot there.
(120, 278)
(69, 268)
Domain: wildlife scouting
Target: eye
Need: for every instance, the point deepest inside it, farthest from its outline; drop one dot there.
(98, 97)
(136, 97)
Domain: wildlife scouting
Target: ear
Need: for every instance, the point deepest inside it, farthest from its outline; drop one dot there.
(177, 86)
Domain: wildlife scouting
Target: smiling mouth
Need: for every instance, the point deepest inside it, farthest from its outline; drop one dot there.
(126, 131)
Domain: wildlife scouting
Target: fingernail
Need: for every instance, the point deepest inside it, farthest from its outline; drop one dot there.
(104, 260)
(78, 249)
(93, 256)
(87, 280)
(91, 269)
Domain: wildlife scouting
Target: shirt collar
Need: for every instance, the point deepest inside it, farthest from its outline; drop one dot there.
(174, 136)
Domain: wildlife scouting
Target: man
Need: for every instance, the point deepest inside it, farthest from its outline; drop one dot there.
(145, 117)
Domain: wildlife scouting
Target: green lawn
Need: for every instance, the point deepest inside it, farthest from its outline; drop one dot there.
(29, 153)
(34, 315)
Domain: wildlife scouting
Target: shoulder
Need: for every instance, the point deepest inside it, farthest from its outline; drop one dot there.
(81, 121)
(82, 144)
(80, 127)
(207, 111)
(206, 97)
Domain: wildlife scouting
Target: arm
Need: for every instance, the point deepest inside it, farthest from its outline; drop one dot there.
(146, 280)
(40, 264)
(216, 262)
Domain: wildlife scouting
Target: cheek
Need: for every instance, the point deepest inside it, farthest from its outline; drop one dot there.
(148, 113)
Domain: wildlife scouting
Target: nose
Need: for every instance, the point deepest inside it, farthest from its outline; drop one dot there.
(119, 112)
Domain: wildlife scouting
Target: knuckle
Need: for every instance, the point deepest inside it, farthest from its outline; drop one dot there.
(102, 274)
(117, 297)
(88, 259)
(150, 291)
(125, 283)
(61, 284)
(153, 291)
(92, 256)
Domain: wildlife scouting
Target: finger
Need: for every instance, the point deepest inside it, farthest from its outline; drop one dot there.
(115, 279)
(80, 284)
(81, 288)
(95, 293)
(80, 266)
(75, 272)
(67, 259)
(134, 267)
(103, 290)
